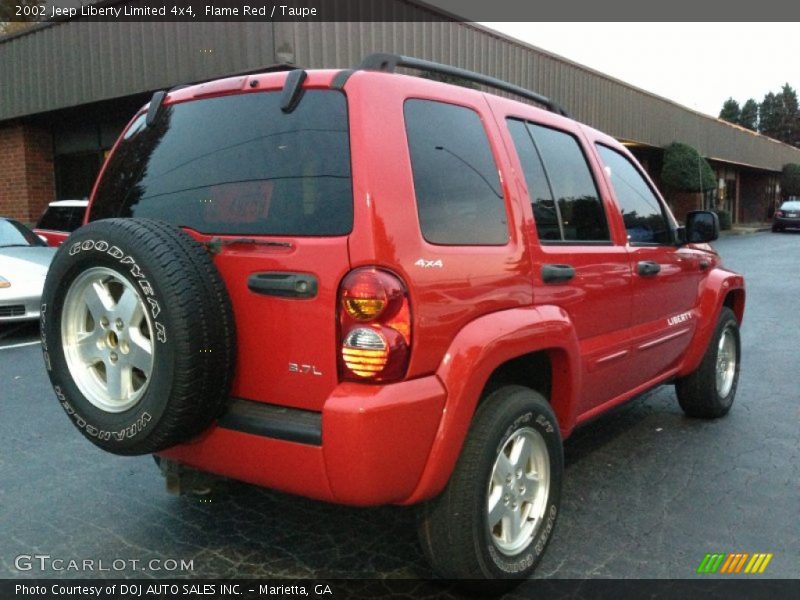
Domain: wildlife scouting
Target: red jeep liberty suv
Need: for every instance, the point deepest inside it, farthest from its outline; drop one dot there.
(371, 288)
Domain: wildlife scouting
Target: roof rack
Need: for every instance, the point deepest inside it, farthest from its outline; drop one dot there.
(388, 63)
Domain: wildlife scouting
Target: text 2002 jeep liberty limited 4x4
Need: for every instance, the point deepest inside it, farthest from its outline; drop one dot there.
(370, 288)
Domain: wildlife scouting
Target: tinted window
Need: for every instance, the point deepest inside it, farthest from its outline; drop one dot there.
(62, 218)
(644, 218)
(459, 198)
(237, 165)
(545, 212)
(566, 204)
(13, 233)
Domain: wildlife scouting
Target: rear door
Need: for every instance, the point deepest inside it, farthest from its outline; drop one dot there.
(666, 277)
(271, 193)
(581, 267)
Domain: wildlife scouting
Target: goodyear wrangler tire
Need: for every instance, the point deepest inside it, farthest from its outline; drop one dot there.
(137, 334)
(496, 515)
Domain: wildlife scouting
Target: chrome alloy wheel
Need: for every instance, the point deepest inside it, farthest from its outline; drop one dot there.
(107, 339)
(726, 363)
(518, 491)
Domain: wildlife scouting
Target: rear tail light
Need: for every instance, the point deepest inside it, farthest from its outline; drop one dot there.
(374, 326)
(778, 213)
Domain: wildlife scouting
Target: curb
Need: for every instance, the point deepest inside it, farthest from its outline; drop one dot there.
(745, 230)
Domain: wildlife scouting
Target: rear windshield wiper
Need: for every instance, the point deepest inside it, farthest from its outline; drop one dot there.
(215, 244)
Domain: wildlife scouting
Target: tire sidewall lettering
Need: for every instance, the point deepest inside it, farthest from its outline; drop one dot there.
(136, 273)
(138, 425)
(517, 564)
(177, 404)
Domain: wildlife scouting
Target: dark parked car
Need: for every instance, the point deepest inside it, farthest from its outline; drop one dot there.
(787, 216)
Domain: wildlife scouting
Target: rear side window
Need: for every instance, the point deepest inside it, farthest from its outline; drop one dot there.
(237, 165)
(566, 204)
(459, 197)
(62, 218)
(645, 221)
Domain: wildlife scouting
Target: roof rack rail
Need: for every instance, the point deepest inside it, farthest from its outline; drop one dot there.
(382, 61)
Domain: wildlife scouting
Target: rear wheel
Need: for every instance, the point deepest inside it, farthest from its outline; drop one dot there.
(497, 513)
(709, 391)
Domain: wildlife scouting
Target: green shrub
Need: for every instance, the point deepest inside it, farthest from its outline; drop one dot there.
(685, 170)
(790, 180)
(725, 222)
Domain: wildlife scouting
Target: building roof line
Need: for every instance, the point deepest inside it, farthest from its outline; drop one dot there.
(612, 79)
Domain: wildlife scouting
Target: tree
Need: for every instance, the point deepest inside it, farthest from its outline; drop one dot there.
(768, 115)
(10, 23)
(748, 117)
(779, 116)
(789, 127)
(730, 111)
(685, 170)
(790, 180)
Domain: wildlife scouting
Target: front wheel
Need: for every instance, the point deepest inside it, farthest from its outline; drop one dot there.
(709, 391)
(497, 513)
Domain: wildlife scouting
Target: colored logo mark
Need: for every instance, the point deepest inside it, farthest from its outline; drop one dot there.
(735, 562)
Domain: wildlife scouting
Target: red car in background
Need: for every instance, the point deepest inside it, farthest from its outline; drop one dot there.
(61, 218)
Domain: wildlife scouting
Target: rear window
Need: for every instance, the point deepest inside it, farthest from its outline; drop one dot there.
(62, 218)
(790, 205)
(456, 182)
(237, 165)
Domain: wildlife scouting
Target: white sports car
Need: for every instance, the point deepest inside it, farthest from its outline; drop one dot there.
(24, 260)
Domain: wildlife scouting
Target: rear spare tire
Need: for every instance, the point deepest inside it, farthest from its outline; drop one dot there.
(138, 335)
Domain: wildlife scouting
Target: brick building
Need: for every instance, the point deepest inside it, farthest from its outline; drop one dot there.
(68, 88)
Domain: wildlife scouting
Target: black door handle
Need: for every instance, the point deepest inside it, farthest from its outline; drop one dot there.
(648, 268)
(286, 285)
(557, 273)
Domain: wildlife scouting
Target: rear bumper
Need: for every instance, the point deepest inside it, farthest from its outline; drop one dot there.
(373, 446)
(786, 222)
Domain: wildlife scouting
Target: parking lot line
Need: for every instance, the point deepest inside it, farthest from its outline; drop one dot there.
(20, 345)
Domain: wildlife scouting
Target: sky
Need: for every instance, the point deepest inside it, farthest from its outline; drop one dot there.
(698, 65)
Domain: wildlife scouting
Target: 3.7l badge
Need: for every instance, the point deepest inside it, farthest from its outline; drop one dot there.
(303, 369)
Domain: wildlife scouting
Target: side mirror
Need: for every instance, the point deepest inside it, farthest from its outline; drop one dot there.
(701, 226)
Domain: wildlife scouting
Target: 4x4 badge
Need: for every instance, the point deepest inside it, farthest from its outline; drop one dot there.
(428, 264)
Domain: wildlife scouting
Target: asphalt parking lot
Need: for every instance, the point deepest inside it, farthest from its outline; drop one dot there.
(647, 492)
